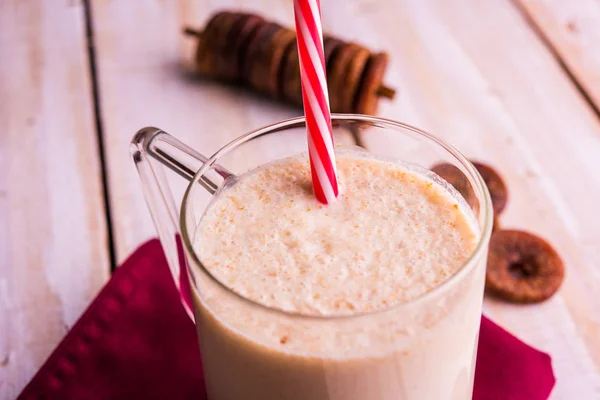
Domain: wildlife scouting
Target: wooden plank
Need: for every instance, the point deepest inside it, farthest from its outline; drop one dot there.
(53, 237)
(476, 74)
(141, 66)
(572, 28)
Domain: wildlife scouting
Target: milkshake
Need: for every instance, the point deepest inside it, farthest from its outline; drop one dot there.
(349, 301)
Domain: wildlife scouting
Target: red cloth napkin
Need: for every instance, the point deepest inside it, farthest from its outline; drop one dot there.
(135, 341)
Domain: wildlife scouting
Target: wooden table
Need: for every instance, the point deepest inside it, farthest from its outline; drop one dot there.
(516, 84)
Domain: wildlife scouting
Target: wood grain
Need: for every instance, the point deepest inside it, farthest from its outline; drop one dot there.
(572, 29)
(53, 238)
(475, 73)
(144, 80)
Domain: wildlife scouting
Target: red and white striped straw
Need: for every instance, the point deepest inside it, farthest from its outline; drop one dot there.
(309, 35)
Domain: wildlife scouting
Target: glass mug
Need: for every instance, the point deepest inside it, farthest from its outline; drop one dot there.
(422, 349)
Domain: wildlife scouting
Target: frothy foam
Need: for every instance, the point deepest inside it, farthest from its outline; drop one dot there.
(392, 235)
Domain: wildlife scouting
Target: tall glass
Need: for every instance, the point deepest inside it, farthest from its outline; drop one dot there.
(423, 349)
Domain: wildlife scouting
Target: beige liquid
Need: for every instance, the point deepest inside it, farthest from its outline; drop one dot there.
(392, 236)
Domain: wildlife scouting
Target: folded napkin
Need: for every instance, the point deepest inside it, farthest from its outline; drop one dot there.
(135, 341)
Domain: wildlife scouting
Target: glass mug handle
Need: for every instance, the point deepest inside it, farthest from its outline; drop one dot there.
(151, 149)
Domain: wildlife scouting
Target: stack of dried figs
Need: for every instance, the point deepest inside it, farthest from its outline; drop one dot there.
(246, 49)
(522, 267)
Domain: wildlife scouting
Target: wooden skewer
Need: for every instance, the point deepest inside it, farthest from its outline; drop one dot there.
(192, 32)
(386, 91)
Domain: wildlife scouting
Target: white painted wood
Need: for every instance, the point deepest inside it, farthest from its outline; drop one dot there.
(143, 81)
(475, 73)
(573, 29)
(471, 71)
(53, 238)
